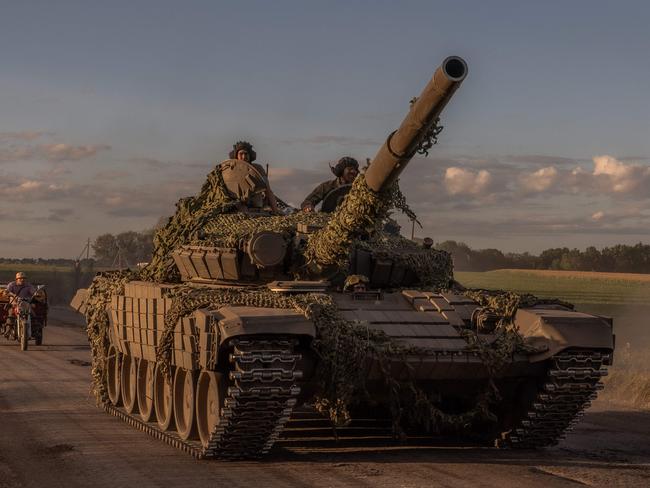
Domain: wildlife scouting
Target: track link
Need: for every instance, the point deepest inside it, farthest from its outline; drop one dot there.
(572, 381)
(259, 403)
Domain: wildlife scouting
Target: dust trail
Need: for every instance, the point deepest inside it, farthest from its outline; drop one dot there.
(628, 382)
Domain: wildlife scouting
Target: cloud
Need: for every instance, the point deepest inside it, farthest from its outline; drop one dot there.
(539, 160)
(459, 181)
(50, 152)
(27, 135)
(330, 139)
(152, 162)
(598, 215)
(618, 176)
(540, 180)
(112, 175)
(60, 214)
(67, 152)
(294, 184)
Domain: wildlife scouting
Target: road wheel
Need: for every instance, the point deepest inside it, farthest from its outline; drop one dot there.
(210, 394)
(146, 370)
(184, 403)
(129, 380)
(113, 376)
(162, 400)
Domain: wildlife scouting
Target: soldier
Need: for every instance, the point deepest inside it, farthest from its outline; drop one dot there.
(346, 170)
(243, 151)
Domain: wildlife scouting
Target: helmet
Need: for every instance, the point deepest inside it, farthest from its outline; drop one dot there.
(353, 280)
(238, 146)
(343, 163)
(20, 274)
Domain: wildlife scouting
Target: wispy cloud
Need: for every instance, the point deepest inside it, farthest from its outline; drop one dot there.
(58, 152)
(333, 139)
(540, 160)
(27, 135)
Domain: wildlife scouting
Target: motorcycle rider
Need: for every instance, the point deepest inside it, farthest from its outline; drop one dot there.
(20, 288)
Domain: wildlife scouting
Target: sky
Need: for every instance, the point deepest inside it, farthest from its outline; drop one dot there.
(112, 111)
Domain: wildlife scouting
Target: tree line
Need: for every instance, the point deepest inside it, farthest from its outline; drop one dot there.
(125, 249)
(620, 258)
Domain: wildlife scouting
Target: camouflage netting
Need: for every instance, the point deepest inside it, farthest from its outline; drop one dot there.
(99, 296)
(434, 268)
(192, 214)
(362, 212)
(228, 229)
(506, 303)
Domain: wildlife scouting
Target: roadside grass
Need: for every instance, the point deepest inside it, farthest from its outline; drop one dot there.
(10, 267)
(572, 286)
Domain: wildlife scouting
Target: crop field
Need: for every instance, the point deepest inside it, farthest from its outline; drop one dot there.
(572, 286)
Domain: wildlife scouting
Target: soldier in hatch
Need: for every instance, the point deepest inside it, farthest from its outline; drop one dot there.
(346, 170)
(243, 151)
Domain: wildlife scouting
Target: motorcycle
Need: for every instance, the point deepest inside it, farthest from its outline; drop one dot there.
(26, 324)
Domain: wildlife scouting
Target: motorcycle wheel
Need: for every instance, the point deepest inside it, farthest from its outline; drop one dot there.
(22, 335)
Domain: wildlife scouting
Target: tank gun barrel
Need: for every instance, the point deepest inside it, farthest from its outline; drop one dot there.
(366, 205)
(401, 145)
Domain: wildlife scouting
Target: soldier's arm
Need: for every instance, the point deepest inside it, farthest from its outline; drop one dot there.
(315, 197)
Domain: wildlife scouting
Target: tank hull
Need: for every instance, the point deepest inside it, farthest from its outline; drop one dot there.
(238, 373)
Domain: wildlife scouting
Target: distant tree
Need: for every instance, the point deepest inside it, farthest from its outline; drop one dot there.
(460, 252)
(133, 248)
(105, 248)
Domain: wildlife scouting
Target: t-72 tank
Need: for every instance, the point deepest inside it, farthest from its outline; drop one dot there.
(242, 316)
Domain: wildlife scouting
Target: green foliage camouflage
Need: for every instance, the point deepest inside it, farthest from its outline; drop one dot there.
(192, 214)
(361, 213)
(104, 285)
(227, 230)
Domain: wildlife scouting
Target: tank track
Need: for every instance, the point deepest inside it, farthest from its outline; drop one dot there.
(257, 406)
(572, 381)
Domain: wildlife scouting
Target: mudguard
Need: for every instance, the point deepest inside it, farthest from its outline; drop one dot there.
(243, 321)
(552, 330)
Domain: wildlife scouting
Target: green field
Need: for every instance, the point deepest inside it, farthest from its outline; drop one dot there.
(60, 282)
(27, 268)
(575, 287)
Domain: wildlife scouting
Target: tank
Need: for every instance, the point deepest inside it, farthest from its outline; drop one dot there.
(248, 327)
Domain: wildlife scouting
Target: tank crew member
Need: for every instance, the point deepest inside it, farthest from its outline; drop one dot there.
(18, 288)
(243, 151)
(346, 170)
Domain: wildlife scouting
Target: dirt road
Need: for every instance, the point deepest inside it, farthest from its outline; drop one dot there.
(53, 435)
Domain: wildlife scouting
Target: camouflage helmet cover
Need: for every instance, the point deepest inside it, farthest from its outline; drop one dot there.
(343, 163)
(238, 146)
(355, 279)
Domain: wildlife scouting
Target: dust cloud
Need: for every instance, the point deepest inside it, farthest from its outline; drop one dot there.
(628, 381)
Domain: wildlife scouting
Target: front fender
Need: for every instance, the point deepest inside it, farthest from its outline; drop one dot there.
(247, 321)
(552, 330)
